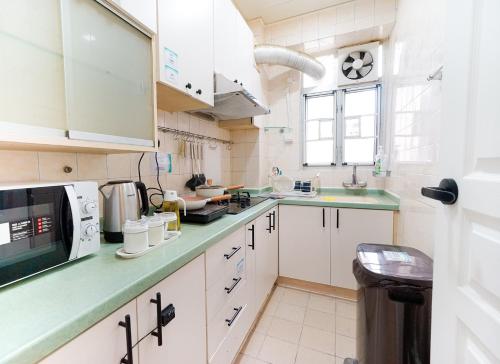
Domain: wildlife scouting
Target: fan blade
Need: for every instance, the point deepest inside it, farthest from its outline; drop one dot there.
(362, 55)
(359, 75)
(368, 59)
(352, 74)
(365, 70)
(354, 55)
(346, 65)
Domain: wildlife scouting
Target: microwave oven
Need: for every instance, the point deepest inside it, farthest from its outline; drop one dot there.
(46, 225)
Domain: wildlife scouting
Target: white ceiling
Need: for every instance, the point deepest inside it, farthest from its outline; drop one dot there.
(274, 10)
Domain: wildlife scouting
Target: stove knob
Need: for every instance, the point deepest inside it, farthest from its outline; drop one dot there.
(90, 230)
(89, 207)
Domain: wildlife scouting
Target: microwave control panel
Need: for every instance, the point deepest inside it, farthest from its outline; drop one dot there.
(88, 199)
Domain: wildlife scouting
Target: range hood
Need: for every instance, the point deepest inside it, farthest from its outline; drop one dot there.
(232, 101)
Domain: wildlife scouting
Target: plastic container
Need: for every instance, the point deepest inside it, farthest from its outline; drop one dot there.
(135, 236)
(156, 229)
(170, 220)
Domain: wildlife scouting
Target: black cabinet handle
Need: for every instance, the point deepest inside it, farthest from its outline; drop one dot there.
(274, 220)
(235, 249)
(235, 81)
(198, 91)
(128, 332)
(447, 192)
(324, 222)
(158, 333)
(231, 320)
(338, 218)
(235, 283)
(188, 85)
(270, 226)
(252, 229)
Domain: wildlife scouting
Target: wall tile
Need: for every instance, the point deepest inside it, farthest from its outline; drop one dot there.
(118, 166)
(18, 166)
(51, 166)
(92, 166)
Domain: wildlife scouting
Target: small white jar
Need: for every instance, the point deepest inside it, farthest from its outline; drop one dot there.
(170, 219)
(135, 236)
(156, 230)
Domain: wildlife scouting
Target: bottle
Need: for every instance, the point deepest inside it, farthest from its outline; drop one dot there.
(379, 160)
(171, 204)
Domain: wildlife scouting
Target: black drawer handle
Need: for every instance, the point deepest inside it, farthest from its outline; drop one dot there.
(252, 229)
(128, 332)
(233, 286)
(158, 333)
(231, 320)
(447, 192)
(235, 250)
(188, 86)
(199, 91)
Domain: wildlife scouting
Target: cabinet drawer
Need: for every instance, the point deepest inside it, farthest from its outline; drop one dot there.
(226, 287)
(223, 258)
(219, 328)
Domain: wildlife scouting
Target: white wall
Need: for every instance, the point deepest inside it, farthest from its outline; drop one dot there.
(413, 113)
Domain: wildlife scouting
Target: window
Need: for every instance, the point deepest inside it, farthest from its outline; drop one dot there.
(341, 127)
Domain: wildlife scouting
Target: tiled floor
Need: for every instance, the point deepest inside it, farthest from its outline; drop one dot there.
(302, 328)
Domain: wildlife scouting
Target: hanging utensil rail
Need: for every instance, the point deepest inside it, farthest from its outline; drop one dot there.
(193, 135)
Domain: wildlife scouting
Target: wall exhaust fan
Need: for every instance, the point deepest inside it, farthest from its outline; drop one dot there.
(358, 64)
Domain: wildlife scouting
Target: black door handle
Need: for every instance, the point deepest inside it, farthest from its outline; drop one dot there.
(447, 192)
(269, 216)
(158, 333)
(128, 333)
(324, 219)
(274, 220)
(252, 229)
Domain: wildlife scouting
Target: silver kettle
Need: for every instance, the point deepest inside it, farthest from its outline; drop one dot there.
(123, 200)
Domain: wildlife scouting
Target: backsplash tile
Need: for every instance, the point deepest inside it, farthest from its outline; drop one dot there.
(18, 166)
(52, 166)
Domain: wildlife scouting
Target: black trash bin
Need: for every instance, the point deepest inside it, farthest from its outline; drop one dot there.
(394, 305)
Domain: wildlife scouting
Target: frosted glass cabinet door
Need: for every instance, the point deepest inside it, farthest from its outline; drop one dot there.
(31, 64)
(109, 76)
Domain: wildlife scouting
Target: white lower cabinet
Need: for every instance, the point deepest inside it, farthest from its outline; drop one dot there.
(103, 343)
(183, 338)
(351, 227)
(305, 243)
(266, 255)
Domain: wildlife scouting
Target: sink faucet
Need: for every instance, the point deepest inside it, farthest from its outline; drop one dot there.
(355, 183)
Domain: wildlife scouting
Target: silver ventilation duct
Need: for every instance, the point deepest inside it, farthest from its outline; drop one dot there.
(283, 56)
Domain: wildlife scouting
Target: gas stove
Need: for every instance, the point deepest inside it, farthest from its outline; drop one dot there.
(240, 201)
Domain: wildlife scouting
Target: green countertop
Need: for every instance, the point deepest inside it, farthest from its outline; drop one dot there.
(42, 313)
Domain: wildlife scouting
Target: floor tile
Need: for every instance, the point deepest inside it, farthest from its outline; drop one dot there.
(309, 356)
(263, 324)
(295, 297)
(254, 344)
(345, 308)
(319, 340)
(285, 330)
(345, 347)
(245, 359)
(345, 326)
(271, 308)
(290, 312)
(320, 320)
(322, 303)
(277, 351)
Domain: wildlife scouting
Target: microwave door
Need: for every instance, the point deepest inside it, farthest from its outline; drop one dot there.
(74, 211)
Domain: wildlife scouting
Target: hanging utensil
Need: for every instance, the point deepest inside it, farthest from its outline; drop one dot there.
(203, 179)
(192, 182)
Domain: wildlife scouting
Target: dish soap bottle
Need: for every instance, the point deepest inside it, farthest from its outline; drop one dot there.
(379, 160)
(171, 204)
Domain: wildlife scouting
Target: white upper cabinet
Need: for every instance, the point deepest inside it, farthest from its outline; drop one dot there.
(351, 227)
(234, 47)
(305, 243)
(186, 53)
(142, 10)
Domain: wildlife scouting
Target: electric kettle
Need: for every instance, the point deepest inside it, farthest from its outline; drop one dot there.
(123, 200)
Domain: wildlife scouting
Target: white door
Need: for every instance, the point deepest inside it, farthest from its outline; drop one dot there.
(184, 337)
(351, 227)
(466, 301)
(305, 243)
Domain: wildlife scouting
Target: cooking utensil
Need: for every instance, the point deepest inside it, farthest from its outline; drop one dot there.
(203, 179)
(210, 191)
(193, 181)
(197, 202)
